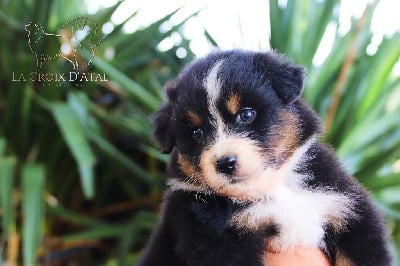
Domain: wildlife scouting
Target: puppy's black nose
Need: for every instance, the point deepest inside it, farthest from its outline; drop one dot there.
(226, 164)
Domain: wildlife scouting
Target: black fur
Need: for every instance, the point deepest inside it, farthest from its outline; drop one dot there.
(163, 132)
(195, 227)
(194, 232)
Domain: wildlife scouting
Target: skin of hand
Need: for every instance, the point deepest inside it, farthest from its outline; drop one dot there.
(299, 256)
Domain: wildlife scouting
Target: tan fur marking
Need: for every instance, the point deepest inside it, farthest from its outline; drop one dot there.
(253, 180)
(338, 218)
(185, 166)
(342, 260)
(233, 104)
(194, 118)
(285, 138)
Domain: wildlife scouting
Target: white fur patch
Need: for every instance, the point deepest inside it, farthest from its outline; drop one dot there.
(300, 214)
(213, 88)
(212, 83)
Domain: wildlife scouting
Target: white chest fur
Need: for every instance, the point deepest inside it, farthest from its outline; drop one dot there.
(299, 214)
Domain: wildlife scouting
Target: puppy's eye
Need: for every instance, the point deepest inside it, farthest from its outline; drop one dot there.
(197, 133)
(246, 116)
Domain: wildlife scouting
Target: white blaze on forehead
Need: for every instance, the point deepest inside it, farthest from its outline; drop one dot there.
(213, 88)
(212, 84)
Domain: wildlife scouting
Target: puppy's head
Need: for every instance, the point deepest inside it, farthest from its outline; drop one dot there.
(232, 120)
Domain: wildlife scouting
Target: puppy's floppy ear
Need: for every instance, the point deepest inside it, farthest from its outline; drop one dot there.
(286, 77)
(162, 128)
(163, 132)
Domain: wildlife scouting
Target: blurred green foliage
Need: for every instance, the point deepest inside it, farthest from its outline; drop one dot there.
(80, 178)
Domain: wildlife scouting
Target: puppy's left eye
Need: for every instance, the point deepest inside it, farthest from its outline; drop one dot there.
(246, 116)
(197, 134)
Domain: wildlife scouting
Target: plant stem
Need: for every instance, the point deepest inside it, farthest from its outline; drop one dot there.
(341, 81)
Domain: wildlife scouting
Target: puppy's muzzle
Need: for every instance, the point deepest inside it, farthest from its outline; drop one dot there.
(226, 164)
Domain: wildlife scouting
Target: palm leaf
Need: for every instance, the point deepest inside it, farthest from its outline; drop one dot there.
(33, 181)
(78, 145)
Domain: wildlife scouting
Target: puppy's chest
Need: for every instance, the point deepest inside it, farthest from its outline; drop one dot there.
(299, 216)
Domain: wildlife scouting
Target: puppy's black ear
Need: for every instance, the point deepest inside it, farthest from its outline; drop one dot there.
(162, 128)
(163, 132)
(287, 78)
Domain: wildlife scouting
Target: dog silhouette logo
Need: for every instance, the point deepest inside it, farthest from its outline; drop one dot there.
(73, 37)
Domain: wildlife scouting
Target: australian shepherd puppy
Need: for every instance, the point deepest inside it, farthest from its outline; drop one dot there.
(248, 175)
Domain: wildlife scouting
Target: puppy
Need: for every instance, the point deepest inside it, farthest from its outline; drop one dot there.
(248, 175)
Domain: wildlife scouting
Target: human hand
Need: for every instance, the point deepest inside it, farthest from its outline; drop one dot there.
(299, 256)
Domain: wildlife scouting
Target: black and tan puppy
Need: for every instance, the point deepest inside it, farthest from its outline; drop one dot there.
(247, 173)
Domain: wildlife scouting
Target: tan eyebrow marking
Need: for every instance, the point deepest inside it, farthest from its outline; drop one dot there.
(233, 103)
(193, 118)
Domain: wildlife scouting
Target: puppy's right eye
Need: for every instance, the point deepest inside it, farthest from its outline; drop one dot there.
(246, 116)
(197, 133)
